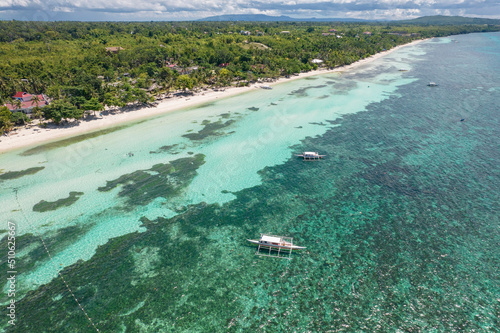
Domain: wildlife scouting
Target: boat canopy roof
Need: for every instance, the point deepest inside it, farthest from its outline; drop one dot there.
(310, 153)
(270, 239)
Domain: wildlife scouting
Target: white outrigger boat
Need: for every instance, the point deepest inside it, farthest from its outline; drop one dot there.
(279, 244)
(310, 156)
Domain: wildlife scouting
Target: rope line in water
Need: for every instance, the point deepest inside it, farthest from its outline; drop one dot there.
(52, 261)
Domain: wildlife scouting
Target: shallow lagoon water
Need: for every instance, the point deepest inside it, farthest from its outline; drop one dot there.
(400, 220)
(238, 136)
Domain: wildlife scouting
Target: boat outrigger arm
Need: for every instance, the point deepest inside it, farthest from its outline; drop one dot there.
(279, 244)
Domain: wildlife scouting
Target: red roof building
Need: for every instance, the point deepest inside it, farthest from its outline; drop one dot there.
(28, 102)
(22, 96)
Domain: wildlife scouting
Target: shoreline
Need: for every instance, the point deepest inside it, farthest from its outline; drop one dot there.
(32, 135)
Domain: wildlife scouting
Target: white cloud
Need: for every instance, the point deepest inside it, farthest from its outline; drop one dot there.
(194, 9)
(64, 9)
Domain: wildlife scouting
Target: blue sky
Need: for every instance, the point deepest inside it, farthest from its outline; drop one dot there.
(173, 10)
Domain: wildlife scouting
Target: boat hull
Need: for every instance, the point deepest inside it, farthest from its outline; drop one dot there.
(310, 157)
(287, 246)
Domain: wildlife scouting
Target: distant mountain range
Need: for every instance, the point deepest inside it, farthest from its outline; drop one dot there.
(267, 18)
(425, 20)
(449, 20)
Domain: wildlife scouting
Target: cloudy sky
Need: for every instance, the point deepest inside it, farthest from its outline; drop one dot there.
(173, 10)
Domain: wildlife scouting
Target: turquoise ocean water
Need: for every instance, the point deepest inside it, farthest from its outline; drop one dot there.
(146, 224)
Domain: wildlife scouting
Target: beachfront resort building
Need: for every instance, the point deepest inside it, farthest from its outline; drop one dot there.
(25, 102)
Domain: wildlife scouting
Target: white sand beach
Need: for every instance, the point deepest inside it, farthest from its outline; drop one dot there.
(33, 134)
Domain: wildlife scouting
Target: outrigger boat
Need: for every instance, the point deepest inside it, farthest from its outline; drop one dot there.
(279, 244)
(310, 155)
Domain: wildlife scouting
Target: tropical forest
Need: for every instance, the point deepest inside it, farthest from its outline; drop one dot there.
(81, 68)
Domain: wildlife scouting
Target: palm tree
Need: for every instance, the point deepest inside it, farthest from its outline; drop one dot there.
(9, 100)
(37, 112)
(18, 104)
(36, 84)
(5, 120)
(3, 85)
(35, 100)
(167, 84)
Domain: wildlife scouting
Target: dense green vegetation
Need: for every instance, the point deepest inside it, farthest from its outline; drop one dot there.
(69, 62)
